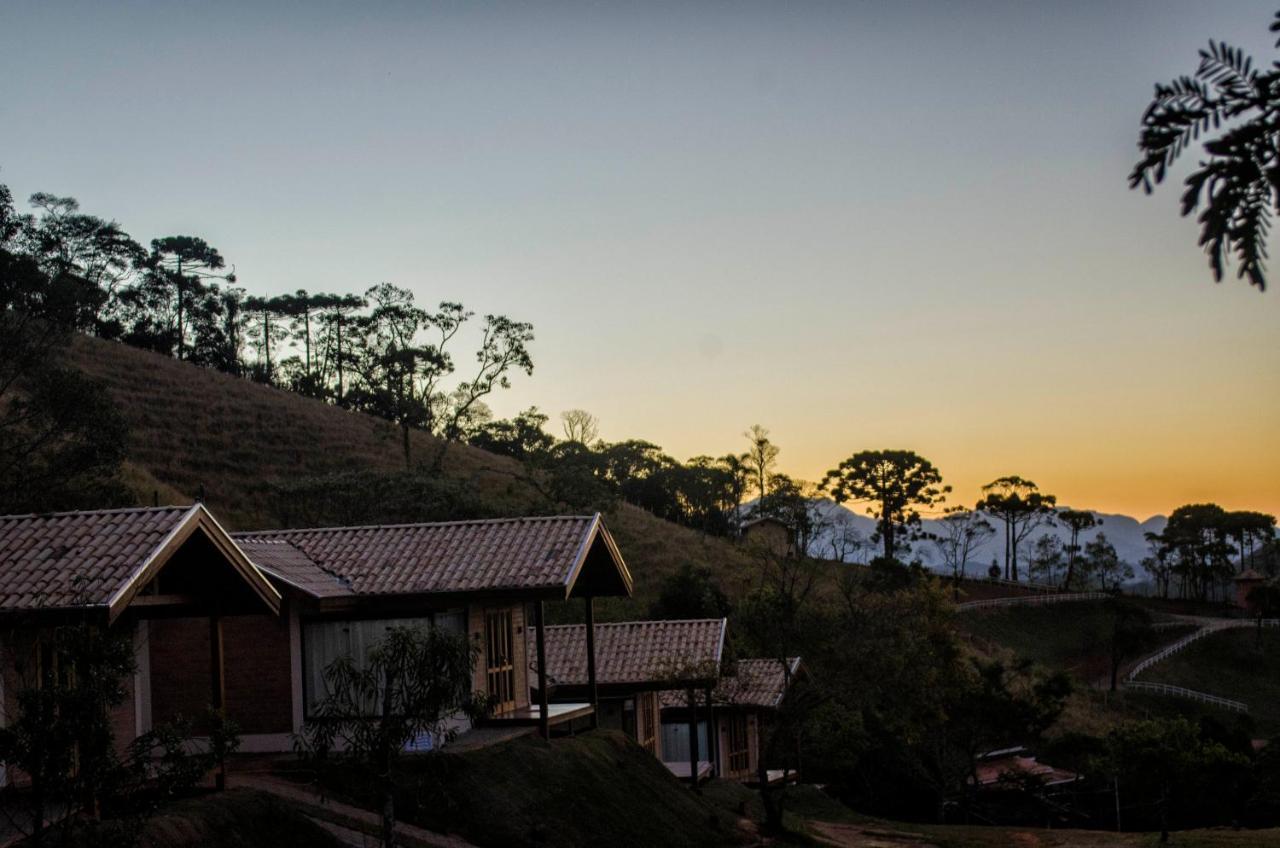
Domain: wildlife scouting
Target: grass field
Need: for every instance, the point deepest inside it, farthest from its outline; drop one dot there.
(1073, 637)
(596, 788)
(238, 818)
(815, 818)
(1231, 664)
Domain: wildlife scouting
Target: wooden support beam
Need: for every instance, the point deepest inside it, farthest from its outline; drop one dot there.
(218, 687)
(693, 739)
(540, 633)
(217, 668)
(713, 737)
(594, 693)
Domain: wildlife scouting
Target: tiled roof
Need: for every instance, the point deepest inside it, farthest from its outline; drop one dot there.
(757, 682)
(462, 556)
(290, 565)
(78, 559)
(634, 652)
(754, 683)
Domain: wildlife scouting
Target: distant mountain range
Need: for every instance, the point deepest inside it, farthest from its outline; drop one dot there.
(1125, 532)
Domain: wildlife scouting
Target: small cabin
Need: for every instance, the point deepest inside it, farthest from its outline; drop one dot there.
(743, 703)
(635, 662)
(770, 534)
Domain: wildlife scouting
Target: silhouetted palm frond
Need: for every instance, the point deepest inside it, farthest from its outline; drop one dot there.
(1238, 185)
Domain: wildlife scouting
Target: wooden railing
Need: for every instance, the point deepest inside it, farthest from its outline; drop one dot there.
(1183, 692)
(1033, 600)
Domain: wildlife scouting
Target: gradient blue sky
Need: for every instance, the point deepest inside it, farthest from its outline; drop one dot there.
(861, 225)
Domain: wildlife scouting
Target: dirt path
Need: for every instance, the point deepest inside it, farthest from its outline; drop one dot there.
(866, 836)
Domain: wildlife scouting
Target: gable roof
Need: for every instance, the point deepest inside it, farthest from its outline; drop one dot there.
(754, 682)
(102, 558)
(641, 653)
(757, 682)
(539, 554)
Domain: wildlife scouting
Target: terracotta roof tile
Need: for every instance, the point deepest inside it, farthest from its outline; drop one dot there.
(77, 559)
(757, 682)
(754, 683)
(639, 652)
(288, 564)
(464, 556)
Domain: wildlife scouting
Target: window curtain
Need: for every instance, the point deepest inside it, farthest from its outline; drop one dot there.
(325, 641)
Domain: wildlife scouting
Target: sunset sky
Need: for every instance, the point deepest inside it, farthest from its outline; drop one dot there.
(862, 226)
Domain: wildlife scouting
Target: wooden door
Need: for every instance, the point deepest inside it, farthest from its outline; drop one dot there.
(500, 669)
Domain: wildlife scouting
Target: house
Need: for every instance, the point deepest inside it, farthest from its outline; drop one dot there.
(135, 570)
(744, 701)
(1245, 583)
(1016, 767)
(247, 623)
(635, 661)
(770, 534)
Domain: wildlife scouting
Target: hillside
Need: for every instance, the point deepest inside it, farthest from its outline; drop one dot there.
(193, 429)
(1073, 637)
(1231, 664)
(529, 792)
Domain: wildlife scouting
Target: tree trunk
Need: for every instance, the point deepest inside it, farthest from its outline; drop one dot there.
(339, 358)
(306, 337)
(179, 285)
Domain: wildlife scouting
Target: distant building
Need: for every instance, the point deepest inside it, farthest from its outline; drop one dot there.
(745, 701)
(771, 534)
(1246, 582)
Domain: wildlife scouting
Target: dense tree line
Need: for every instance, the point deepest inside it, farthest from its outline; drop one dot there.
(895, 712)
(377, 352)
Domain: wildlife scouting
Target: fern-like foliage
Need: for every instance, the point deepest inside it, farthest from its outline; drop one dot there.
(1232, 109)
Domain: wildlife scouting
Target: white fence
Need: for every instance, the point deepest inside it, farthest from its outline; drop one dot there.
(1216, 626)
(1170, 650)
(1033, 600)
(1192, 694)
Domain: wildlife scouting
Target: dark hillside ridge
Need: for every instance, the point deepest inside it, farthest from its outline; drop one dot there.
(194, 430)
(596, 788)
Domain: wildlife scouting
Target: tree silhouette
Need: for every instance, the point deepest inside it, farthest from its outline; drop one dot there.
(1022, 507)
(183, 263)
(761, 457)
(1238, 181)
(896, 484)
(1076, 521)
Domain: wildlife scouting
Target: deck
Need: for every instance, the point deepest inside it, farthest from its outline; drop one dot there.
(681, 770)
(532, 715)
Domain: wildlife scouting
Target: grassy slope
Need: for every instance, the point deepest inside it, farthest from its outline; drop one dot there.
(239, 818)
(192, 427)
(1231, 664)
(1073, 637)
(812, 814)
(597, 788)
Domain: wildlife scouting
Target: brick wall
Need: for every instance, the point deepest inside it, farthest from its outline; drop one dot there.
(258, 683)
(256, 671)
(180, 681)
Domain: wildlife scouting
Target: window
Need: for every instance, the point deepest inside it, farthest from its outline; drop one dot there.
(647, 722)
(325, 641)
(500, 669)
(739, 746)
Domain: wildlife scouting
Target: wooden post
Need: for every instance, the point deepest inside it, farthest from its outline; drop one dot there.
(593, 691)
(217, 686)
(694, 752)
(713, 737)
(540, 633)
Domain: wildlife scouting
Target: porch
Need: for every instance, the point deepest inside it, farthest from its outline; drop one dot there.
(531, 716)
